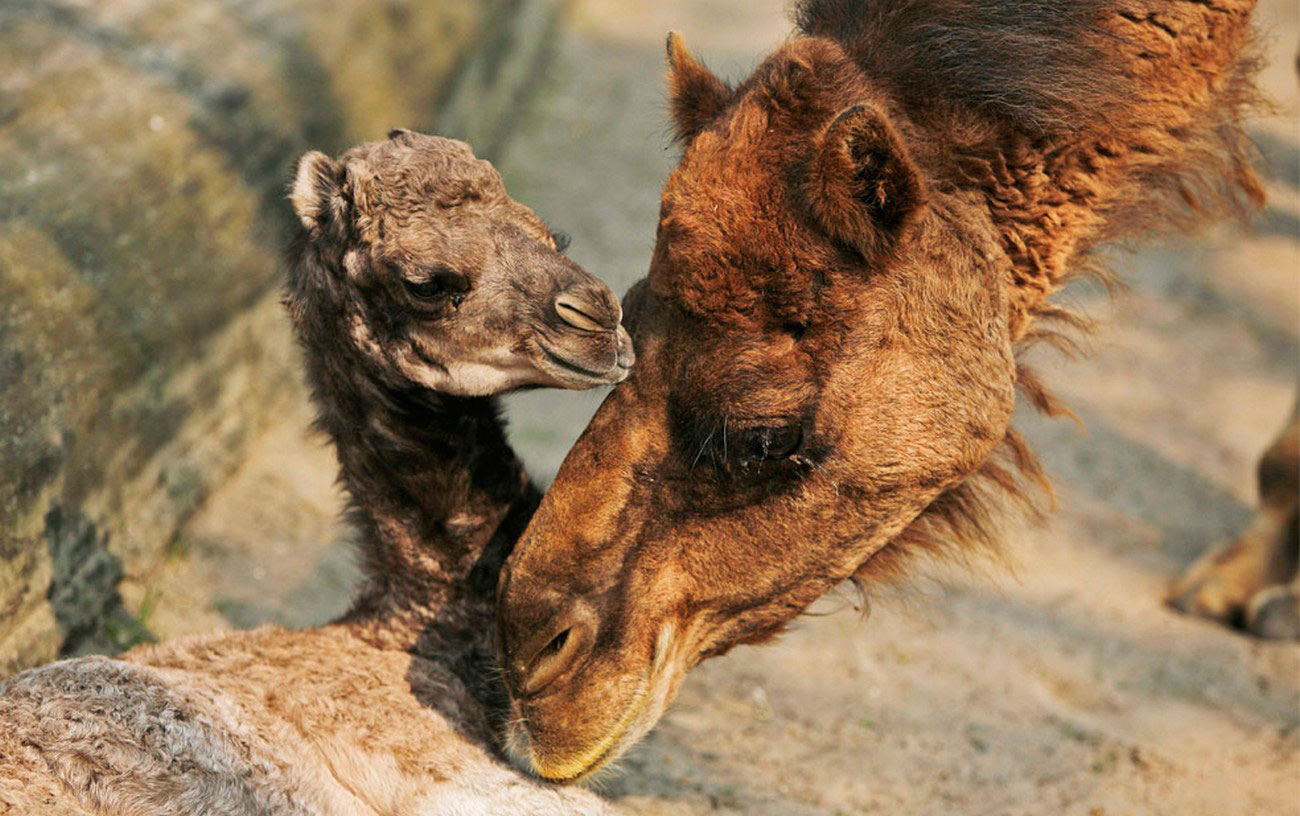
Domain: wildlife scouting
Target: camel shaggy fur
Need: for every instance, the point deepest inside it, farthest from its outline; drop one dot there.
(417, 287)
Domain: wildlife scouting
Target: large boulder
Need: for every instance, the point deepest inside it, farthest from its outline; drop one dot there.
(145, 148)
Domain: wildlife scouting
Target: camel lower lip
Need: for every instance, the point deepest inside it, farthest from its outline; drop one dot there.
(572, 367)
(572, 771)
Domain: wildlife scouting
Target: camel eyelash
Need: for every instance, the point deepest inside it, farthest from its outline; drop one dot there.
(725, 444)
(436, 283)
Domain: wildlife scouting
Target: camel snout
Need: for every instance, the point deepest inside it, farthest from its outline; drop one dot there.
(583, 338)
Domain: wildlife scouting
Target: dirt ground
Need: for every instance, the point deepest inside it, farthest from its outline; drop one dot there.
(1059, 687)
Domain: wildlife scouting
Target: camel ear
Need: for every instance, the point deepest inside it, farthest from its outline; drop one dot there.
(864, 188)
(696, 95)
(317, 193)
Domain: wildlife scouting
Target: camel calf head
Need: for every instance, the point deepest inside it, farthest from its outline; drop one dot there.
(441, 278)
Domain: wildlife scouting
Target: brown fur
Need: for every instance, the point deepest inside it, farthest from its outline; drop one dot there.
(856, 245)
(394, 709)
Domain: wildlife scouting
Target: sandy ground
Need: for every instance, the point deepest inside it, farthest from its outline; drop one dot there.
(1061, 687)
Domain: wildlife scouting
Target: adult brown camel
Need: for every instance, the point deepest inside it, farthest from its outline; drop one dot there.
(417, 287)
(857, 243)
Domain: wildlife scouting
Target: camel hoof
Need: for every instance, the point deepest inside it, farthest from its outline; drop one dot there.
(1206, 593)
(1274, 614)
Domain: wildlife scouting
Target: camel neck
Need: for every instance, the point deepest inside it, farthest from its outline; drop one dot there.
(436, 495)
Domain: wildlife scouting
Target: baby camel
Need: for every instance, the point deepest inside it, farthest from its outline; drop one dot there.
(417, 288)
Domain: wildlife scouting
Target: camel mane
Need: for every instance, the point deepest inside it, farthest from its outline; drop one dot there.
(1083, 93)
(956, 51)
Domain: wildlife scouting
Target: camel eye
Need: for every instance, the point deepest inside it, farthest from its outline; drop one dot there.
(425, 290)
(757, 445)
(438, 284)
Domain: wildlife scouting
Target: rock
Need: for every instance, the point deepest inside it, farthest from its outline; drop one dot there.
(145, 146)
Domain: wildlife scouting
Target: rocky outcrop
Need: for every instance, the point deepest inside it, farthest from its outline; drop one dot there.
(145, 146)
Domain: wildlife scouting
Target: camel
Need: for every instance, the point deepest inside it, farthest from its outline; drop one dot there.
(858, 243)
(417, 288)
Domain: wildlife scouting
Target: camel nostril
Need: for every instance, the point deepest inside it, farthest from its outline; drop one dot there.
(555, 655)
(581, 314)
(557, 643)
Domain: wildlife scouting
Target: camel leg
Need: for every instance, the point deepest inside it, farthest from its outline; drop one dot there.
(1251, 581)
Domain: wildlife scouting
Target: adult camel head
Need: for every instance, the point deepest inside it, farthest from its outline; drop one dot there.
(854, 244)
